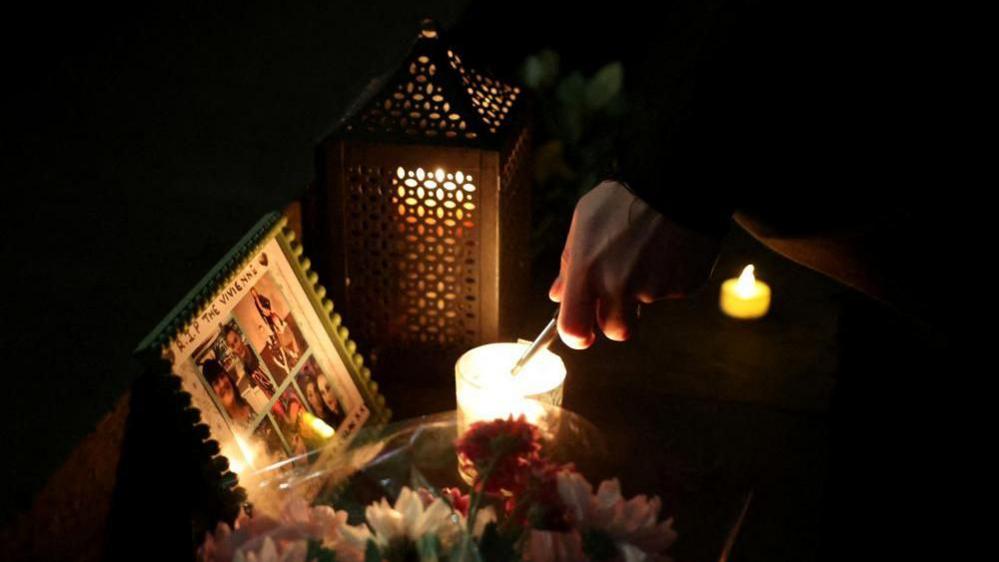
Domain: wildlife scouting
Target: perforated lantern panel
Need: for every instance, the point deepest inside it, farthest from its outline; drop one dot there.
(438, 272)
(491, 98)
(436, 97)
(422, 205)
(413, 248)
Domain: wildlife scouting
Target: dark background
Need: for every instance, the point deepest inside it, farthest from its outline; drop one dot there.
(140, 144)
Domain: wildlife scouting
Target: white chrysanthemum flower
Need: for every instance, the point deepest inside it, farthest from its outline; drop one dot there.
(633, 524)
(319, 522)
(261, 538)
(410, 519)
(553, 546)
(353, 541)
(293, 551)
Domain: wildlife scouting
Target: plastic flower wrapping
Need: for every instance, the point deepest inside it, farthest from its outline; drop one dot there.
(438, 489)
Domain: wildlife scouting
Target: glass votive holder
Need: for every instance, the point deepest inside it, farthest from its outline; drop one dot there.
(485, 390)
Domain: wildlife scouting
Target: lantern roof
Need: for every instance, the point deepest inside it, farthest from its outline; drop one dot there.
(434, 98)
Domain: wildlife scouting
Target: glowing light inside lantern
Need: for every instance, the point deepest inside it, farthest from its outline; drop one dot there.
(436, 217)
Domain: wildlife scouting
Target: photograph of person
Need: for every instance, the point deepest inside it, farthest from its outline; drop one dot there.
(253, 383)
(271, 328)
(287, 412)
(323, 403)
(221, 383)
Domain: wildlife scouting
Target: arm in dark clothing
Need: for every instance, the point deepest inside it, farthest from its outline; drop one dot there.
(796, 117)
(762, 106)
(661, 150)
(803, 105)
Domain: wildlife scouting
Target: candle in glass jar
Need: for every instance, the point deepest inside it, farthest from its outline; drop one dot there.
(485, 389)
(745, 298)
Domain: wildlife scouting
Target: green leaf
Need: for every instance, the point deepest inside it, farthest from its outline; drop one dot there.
(532, 73)
(550, 60)
(549, 163)
(316, 552)
(604, 86)
(571, 90)
(372, 553)
(428, 548)
(570, 94)
(465, 550)
(540, 71)
(571, 123)
(598, 546)
(496, 547)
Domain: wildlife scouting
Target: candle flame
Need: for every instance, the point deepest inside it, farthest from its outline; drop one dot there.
(319, 426)
(746, 285)
(237, 465)
(486, 390)
(245, 449)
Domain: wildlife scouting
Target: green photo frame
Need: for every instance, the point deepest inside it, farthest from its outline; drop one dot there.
(266, 360)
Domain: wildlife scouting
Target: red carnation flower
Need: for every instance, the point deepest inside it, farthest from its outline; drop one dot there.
(499, 451)
(537, 503)
(459, 502)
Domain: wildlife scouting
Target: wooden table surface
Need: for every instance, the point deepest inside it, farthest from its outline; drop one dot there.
(698, 409)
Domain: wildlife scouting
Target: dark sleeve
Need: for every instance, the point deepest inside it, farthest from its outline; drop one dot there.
(759, 106)
(663, 138)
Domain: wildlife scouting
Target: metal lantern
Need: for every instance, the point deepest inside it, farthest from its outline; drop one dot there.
(422, 203)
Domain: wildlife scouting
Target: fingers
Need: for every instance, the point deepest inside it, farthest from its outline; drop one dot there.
(571, 288)
(655, 289)
(650, 286)
(575, 321)
(647, 297)
(616, 316)
(555, 292)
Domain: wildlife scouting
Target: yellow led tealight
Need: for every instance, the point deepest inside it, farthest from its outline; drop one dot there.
(745, 298)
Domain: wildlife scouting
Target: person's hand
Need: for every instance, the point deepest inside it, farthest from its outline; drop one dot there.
(620, 252)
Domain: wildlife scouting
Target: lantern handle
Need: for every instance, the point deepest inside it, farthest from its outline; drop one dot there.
(429, 28)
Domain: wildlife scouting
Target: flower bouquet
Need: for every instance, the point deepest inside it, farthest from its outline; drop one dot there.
(526, 501)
